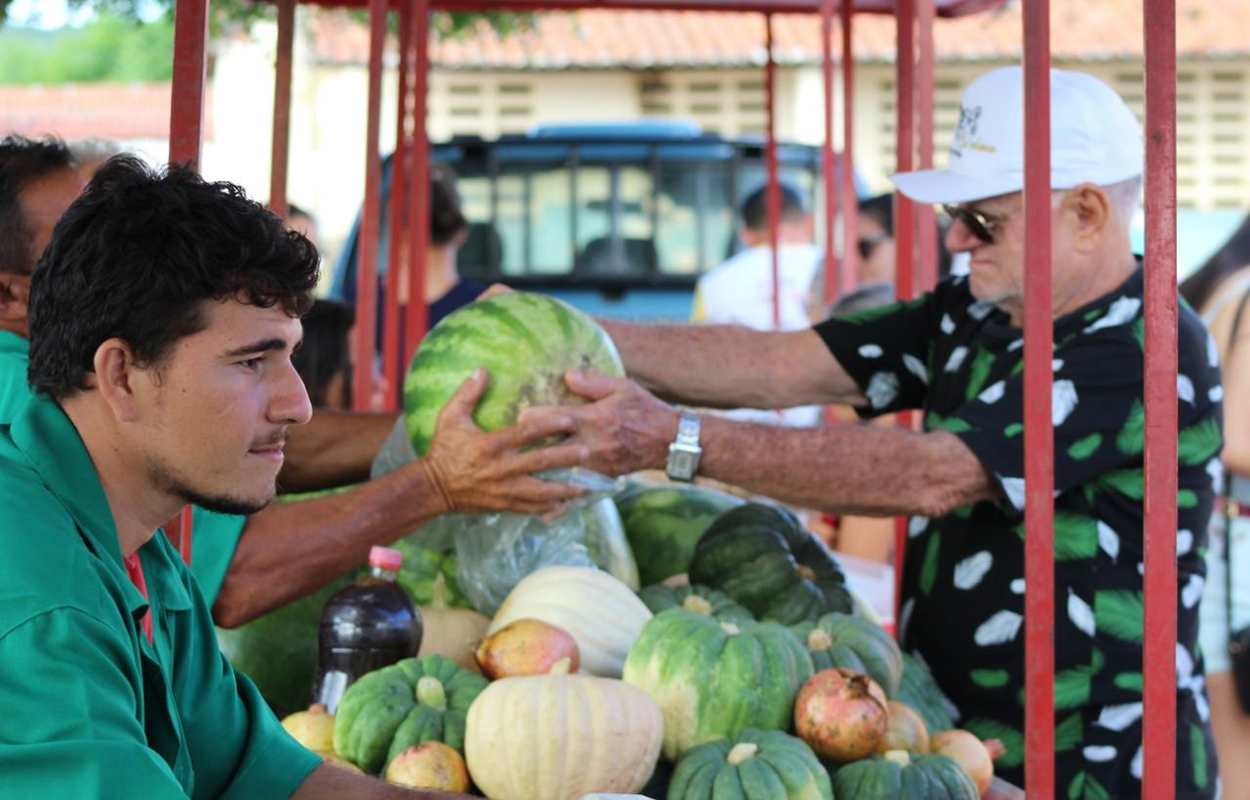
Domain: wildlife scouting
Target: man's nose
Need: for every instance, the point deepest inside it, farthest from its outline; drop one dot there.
(290, 404)
(960, 238)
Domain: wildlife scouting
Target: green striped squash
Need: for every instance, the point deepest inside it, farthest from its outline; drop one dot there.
(900, 776)
(410, 702)
(752, 764)
(713, 679)
(843, 640)
(525, 341)
(694, 598)
(664, 522)
(763, 557)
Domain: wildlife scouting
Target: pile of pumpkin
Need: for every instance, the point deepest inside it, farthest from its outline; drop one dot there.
(759, 678)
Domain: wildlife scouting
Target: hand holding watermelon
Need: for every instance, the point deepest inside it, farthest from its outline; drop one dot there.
(473, 470)
(624, 427)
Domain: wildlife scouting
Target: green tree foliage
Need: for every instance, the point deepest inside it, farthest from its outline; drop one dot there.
(110, 48)
(120, 45)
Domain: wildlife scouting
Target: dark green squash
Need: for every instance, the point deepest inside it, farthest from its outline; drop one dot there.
(754, 763)
(763, 557)
(843, 640)
(696, 598)
(900, 776)
(413, 701)
(919, 690)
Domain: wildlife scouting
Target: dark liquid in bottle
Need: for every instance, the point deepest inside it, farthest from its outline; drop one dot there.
(365, 626)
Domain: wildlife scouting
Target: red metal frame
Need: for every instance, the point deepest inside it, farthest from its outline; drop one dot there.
(774, 188)
(401, 192)
(367, 243)
(832, 283)
(904, 219)
(1160, 292)
(850, 200)
(1159, 654)
(419, 221)
(926, 81)
(187, 86)
(281, 157)
(1039, 571)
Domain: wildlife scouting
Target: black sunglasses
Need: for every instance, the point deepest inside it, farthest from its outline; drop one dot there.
(980, 225)
(869, 243)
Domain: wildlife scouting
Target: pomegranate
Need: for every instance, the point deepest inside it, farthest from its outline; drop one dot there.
(432, 765)
(905, 731)
(842, 714)
(969, 752)
(527, 647)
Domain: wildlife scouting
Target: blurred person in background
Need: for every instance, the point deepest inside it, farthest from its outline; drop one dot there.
(1220, 292)
(740, 290)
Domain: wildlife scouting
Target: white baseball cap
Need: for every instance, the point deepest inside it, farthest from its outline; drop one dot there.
(1094, 138)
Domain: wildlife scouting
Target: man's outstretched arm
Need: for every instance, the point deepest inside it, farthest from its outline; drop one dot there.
(291, 549)
(854, 469)
(731, 366)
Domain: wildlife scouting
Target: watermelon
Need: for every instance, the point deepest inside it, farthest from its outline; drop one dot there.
(525, 341)
(663, 522)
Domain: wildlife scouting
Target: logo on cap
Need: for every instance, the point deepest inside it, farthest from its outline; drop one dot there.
(966, 131)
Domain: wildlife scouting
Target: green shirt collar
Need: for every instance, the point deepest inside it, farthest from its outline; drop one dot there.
(49, 440)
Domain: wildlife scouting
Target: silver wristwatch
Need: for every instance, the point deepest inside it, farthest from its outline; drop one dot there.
(684, 452)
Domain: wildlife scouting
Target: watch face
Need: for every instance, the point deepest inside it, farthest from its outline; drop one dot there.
(681, 463)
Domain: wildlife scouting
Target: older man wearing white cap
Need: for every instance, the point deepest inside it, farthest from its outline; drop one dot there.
(956, 354)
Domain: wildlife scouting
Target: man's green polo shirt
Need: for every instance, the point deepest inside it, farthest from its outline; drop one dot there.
(214, 536)
(97, 710)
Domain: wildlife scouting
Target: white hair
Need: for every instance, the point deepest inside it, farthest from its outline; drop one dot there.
(1125, 196)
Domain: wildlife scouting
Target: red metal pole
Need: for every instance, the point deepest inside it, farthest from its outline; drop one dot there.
(1159, 652)
(186, 111)
(831, 190)
(367, 263)
(419, 222)
(904, 230)
(926, 223)
(396, 262)
(1039, 442)
(850, 201)
(774, 189)
(280, 159)
(186, 131)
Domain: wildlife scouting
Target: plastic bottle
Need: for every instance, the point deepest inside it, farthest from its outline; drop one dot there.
(365, 626)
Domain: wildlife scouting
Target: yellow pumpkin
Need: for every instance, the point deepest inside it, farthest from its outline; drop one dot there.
(558, 737)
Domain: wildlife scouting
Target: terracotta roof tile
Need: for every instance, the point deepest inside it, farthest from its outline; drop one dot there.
(593, 38)
(82, 110)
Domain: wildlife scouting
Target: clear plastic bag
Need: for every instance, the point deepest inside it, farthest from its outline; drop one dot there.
(495, 551)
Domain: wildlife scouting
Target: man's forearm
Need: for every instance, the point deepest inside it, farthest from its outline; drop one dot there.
(730, 366)
(291, 549)
(328, 782)
(847, 469)
(334, 449)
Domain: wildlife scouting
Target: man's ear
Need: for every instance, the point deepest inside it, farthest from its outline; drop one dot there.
(1092, 211)
(14, 296)
(117, 376)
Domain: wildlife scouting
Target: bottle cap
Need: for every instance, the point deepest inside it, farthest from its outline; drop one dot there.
(385, 557)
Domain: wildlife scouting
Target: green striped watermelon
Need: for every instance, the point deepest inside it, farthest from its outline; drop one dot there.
(664, 522)
(525, 341)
